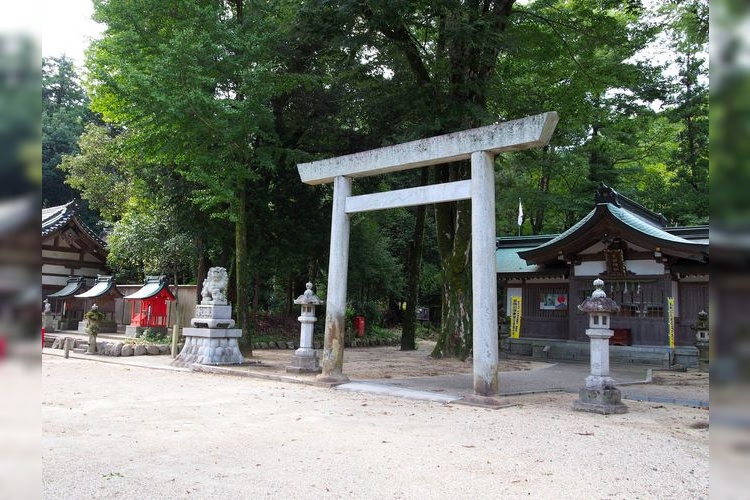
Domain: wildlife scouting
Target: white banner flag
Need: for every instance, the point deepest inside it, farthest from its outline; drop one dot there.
(520, 212)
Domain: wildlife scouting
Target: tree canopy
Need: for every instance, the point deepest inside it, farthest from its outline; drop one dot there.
(207, 107)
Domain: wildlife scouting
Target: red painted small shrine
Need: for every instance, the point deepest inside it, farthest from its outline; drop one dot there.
(149, 304)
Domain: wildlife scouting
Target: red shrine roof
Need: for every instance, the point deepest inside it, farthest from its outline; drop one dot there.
(152, 286)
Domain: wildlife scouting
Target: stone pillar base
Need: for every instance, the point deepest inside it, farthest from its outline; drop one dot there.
(304, 364)
(331, 380)
(703, 356)
(484, 401)
(49, 323)
(606, 401)
(210, 347)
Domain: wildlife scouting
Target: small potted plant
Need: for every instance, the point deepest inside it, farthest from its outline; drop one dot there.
(93, 320)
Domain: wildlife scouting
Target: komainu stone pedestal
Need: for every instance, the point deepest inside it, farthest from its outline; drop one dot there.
(212, 316)
(211, 340)
(210, 346)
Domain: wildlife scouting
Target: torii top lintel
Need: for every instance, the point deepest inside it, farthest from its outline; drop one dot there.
(524, 133)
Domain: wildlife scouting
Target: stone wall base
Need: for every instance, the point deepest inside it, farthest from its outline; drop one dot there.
(549, 349)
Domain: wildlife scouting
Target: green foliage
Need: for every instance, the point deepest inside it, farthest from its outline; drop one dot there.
(99, 172)
(194, 83)
(93, 318)
(65, 115)
(688, 31)
(210, 105)
(94, 315)
(151, 336)
(150, 238)
(20, 109)
(374, 271)
(386, 336)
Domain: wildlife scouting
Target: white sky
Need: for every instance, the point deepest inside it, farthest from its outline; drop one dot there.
(67, 28)
(21, 18)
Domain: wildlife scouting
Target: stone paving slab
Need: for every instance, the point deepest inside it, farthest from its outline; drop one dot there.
(400, 392)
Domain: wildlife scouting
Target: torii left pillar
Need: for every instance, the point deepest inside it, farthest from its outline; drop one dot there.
(480, 145)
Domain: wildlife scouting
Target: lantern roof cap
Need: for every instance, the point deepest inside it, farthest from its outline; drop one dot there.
(598, 302)
(308, 298)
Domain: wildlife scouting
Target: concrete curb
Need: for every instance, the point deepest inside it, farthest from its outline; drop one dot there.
(127, 361)
(223, 370)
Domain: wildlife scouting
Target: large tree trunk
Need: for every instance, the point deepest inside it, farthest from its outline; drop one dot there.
(177, 313)
(241, 271)
(453, 222)
(202, 270)
(256, 292)
(409, 321)
(470, 63)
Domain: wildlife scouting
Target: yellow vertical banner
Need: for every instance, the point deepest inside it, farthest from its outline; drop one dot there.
(515, 317)
(670, 321)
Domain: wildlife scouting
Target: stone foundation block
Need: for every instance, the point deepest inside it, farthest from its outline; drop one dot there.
(209, 349)
(605, 401)
(304, 364)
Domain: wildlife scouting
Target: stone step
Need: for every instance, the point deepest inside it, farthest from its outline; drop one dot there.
(78, 350)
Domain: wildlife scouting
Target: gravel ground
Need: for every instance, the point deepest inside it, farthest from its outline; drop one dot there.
(115, 431)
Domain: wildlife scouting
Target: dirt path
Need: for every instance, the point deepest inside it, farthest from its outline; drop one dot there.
(391, 362)
(113, 431)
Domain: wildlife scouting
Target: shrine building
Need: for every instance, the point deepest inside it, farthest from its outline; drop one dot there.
(649, 269)
(69, 249)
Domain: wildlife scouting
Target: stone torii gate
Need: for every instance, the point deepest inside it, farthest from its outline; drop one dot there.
(479, 144)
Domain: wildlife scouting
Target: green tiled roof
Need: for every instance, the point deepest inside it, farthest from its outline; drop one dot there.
(565, 234)
(151, 287)
(74, 283)
(508, 261)
(626, 217)
(644, 227)
(103, 285)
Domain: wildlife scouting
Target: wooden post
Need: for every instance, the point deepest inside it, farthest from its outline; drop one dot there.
(175, 338)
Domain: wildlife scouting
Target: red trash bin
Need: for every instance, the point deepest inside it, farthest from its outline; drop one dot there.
(359, 325)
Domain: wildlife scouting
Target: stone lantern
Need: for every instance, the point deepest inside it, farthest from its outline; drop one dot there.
(702, 340)
(93, 318)
(305, 359)
(600, 394)
(48, 322)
